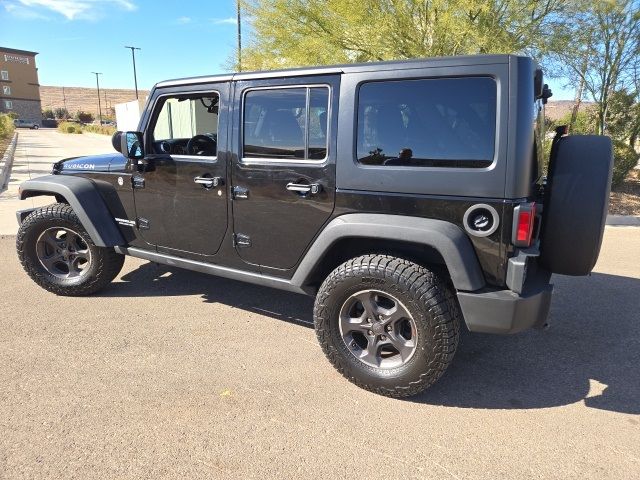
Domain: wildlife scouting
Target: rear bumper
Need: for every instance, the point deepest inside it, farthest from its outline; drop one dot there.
(505, 311)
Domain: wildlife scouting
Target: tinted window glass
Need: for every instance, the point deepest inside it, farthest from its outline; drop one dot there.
(318, 118)
(427, 123)
(277, 125)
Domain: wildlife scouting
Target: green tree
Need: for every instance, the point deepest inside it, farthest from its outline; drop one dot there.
(624, 116)
(604, 55)
(47, 113)
(290, 33)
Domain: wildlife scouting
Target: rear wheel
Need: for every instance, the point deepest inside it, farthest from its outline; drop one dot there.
(58, 254)
(387, 324)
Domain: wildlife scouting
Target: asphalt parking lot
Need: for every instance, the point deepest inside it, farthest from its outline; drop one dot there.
(173, 374)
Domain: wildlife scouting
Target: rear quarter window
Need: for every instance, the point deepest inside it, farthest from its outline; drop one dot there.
(444, 122)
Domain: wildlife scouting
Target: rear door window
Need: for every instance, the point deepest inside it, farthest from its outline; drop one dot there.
(445, 122)
(286, 123)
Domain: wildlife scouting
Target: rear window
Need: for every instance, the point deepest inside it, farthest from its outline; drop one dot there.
(445, 122)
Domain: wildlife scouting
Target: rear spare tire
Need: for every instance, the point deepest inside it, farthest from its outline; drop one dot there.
(576, 204)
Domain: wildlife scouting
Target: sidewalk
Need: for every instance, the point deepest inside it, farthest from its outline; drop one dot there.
(36, 152)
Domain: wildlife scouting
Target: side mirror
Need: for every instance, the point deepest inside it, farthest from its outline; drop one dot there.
(131, 145)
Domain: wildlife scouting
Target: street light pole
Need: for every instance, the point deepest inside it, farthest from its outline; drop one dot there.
(133, 56)
(98, 87)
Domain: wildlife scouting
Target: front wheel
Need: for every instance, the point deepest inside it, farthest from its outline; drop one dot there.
(58, 254)
(387, 324)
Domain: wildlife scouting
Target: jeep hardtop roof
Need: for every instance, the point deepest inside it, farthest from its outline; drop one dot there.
(456, 61)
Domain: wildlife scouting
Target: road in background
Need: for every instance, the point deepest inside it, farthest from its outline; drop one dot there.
(36, 152)
(173, 374)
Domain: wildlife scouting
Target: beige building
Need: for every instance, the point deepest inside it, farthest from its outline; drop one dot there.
(19, 86)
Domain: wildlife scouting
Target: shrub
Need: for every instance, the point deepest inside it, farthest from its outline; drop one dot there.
(69, 127)
(101, 129)
(6, 126)
(84, 117)
(47, 113)
(61, 113)
(624, 159)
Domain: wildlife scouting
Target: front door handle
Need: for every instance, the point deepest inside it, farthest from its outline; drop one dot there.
(304, 188)
(208, 182)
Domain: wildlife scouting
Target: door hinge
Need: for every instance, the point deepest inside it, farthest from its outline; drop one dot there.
(240, 192)
(241, 240)
(137, 181)
(143, 223)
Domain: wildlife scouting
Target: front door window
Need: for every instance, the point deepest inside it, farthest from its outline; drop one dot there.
(187, 125)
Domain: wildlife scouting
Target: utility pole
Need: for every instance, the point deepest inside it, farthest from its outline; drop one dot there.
(239, 36)
(98, 87)
(133, 56)
(64, 101)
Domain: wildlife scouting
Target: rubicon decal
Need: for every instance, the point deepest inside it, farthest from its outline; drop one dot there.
(80, 166)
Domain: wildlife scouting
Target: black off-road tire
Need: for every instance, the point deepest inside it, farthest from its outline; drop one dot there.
(426, 295)
(104, 266)
(576, 204)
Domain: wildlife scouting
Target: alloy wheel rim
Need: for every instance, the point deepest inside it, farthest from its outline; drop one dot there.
(378, 329)
(63, 253)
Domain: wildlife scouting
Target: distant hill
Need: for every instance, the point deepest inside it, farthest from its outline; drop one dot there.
(558, 109)
(86, 99)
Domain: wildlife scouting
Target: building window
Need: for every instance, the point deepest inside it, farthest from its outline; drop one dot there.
(447, 122)
(6, 90)
(4, 75)
(8, 104)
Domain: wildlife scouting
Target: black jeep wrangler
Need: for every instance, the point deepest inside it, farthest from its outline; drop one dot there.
(408, 197)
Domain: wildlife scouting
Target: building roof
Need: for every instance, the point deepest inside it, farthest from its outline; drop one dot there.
(13, 50)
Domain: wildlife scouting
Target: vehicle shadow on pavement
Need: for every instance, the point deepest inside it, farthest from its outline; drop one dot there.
(150, 280)
(591, 353)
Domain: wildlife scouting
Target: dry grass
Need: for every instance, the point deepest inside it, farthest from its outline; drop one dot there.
(626, 199)
(4, 144)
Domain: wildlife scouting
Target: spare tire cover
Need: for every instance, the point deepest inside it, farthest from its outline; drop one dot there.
(576, 204)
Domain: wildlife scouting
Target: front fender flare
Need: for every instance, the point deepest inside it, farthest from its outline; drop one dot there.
(449, 240)
(87, 203)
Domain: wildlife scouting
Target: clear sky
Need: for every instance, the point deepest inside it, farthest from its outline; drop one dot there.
(178, 39)
(75, 37)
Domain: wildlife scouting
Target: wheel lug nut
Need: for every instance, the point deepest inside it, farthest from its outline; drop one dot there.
(383, 337)
(380, 317)
(354, 344)
(388, 329)
(369, 332)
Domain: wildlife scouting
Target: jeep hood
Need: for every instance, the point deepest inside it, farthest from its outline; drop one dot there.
(107, 162)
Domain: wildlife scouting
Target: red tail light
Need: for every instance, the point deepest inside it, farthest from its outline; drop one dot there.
(523, 222)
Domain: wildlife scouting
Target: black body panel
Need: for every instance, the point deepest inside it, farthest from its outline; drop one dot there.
(281, 223)
(182, 217)
(490, 250)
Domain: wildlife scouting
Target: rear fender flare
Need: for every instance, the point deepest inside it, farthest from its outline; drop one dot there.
(451, 242)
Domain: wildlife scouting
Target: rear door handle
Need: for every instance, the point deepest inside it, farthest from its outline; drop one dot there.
(208, 182)
(304, 188)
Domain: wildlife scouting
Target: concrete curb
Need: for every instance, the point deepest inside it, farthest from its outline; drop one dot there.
(7, 162)
(623, 220)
